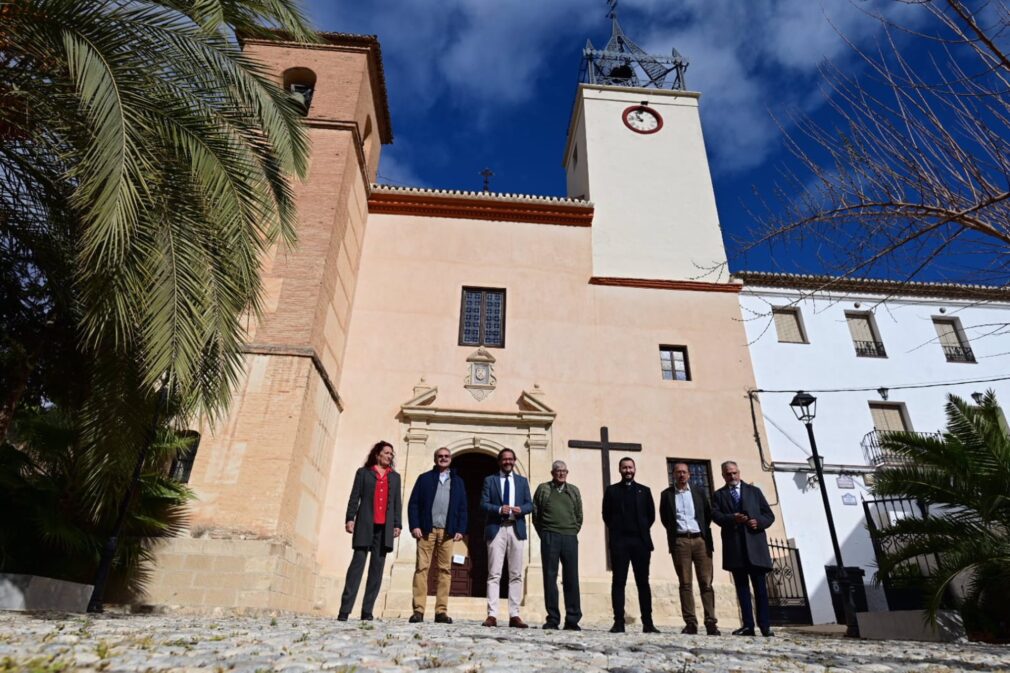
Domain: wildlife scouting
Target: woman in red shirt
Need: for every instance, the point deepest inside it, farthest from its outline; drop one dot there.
(373, 520)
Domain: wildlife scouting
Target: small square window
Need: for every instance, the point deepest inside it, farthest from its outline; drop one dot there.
(482, 317)
(674, 364)
(788, 326)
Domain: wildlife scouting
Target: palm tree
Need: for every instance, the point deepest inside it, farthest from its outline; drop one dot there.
(53, 524)
(145, 166)
(963, 478)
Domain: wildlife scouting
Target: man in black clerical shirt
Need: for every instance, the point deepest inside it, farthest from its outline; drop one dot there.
(629, 512)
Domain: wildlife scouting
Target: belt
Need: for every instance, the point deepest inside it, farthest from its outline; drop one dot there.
(508, 522)
(689, 535)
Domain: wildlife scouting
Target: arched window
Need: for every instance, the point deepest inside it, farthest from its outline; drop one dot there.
(182, 464)
(301, 84)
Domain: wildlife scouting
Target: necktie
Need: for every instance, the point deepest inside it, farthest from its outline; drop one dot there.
(505, 496)
(735, 494)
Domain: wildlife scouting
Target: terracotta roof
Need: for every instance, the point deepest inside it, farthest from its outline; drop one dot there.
(840, 284)
(480, 206)
(484, 196)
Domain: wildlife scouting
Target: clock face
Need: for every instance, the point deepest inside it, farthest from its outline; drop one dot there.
(642, 119)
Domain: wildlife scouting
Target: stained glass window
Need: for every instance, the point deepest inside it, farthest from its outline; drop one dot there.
(482, 318)
(673, 363)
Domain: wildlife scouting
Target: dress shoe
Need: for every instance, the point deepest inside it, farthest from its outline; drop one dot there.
(342, 617)
(549, 626)
(442, 618)
(744, 631)
(517, 623)
(617, 628)
(490, 621)
(712, 630)
(690, 629)
(767, 633)
(417, 618)
(367, 617)
(649, 628)
(571, 627)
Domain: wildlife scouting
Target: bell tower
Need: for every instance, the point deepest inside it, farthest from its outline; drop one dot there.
(635, 148)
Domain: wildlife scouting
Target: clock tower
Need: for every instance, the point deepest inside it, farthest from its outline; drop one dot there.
(635, 148)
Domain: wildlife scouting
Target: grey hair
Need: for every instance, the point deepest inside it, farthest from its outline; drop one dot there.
(558, 464)
(442, 448)
(727, 462)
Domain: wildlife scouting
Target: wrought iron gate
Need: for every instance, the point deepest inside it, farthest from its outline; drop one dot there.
(787, 592)
(901, 595)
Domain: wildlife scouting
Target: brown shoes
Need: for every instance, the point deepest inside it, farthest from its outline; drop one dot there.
(514, 622)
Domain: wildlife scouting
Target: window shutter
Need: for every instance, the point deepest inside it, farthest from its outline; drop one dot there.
(787, 326)
(887, 418)
(947, 332)
(859, 327)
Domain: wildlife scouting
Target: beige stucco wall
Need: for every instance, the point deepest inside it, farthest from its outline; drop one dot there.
(593, 351)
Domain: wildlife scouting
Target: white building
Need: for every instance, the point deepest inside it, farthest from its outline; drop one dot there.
(872, 352)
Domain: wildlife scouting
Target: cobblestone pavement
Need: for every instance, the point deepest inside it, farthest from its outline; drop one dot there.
(292, 644)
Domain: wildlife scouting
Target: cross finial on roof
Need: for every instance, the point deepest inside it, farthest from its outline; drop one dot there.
(612, 14)
(487, 174)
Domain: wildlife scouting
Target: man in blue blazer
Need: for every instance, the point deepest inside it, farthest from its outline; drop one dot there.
(436, 514)
(505, 500)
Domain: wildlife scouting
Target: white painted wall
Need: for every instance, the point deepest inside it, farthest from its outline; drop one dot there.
(655, 207)
(829, 361)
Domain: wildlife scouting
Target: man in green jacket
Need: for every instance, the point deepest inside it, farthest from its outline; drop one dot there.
(557, 516)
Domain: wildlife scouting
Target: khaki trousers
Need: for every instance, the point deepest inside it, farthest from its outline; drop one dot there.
(505, 543)
(688, 553)
(438, 545)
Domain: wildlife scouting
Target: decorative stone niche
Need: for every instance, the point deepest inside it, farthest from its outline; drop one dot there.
(480, 379)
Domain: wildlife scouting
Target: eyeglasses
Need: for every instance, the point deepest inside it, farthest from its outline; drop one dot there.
(560, 471)
(443, 457)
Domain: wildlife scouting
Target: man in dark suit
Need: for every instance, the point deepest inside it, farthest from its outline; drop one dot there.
(505, 500)
(629, 512)
(743, 514)
(436, 513)
(686, 514)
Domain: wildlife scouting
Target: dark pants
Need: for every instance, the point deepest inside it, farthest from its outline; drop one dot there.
(354, 571)
(756, 576)
(625, 550)
(554, 548)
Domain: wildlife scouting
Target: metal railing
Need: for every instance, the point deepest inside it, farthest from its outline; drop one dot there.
(870, 349)
(877, 456)
(958, 354)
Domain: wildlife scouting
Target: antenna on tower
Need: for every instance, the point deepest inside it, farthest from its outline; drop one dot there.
(487, 175)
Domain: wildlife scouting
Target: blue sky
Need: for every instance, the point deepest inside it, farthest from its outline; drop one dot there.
(475, 83)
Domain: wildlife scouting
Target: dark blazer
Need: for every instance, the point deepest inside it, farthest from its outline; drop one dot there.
(491, 502)
(741, 546)
(702, 514)
(645, 509)
(360, 509)
(422, 497)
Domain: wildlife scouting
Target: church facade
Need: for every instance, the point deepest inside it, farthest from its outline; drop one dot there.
(477, 322)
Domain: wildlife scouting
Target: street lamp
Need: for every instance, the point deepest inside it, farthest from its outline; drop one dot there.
(804, 405)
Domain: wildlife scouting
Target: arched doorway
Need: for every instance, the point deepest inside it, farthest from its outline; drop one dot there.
(470, 578)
